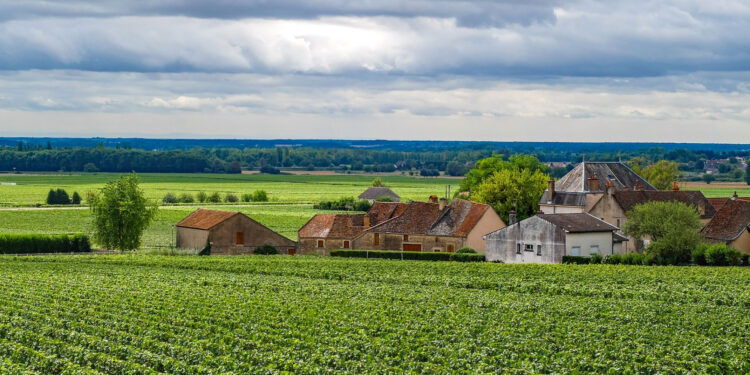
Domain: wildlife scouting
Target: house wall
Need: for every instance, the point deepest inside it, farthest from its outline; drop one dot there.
(489, 223)
(309, 245)
(554, 209)
(502, 245)
(610, 211)
(191, 238)
(586, 240)
(742, 243)
(393, 241)
(223, 237)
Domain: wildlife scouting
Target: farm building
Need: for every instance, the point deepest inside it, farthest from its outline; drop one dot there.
(373, 193)
(731, 225)
(414, 226)
(546, 238)
(229, 233)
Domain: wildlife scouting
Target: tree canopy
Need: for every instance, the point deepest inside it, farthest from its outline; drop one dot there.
(487, 167)
(662, 174)
(672, 226)
(512, 189)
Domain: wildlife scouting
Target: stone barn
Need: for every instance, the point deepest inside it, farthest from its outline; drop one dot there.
(229, 233)
(546, 238)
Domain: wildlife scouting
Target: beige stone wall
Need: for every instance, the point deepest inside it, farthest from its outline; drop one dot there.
(586, 240)
(553, 209)
(309, 246)
(489, 223)
(392, 241)
(742, 243)
(189, 238)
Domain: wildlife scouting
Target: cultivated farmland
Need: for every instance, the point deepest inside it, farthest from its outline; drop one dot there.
(195, 315)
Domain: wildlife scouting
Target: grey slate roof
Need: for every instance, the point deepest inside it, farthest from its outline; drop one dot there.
(578, 223)
(377, 192)
(565, 199)
(616, 172)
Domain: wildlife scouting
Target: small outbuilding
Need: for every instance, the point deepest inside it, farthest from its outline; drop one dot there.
(546, 238)
(229, 233)
(374, 193)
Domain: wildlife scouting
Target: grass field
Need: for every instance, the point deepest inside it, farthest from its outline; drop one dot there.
(32, 189)
(196, 315)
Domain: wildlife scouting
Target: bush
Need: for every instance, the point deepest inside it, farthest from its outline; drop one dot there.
(231, 198)
(698, 255)
(467, 257)
(269, 169)
(745, 259)
(722, 255)
(90, 168)
(572, 259)
(247, 197)
(186, 198)
(260, 196)
(76, 199)
(387, 254)
(38, 243)
(202, 196)
(633, 259)
(266, 250)
(384, 199)
(612, 259)
(169, 198)
(466, 250)
(596, 258)
(58, 196)
(362, 205)
(215, 197)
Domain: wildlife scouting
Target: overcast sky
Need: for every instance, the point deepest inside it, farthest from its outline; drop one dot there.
(527, 70)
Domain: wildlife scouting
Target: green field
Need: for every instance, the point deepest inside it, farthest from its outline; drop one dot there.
(32, 189)
(196, 315)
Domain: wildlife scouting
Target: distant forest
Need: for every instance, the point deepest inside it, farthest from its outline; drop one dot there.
(231, 156)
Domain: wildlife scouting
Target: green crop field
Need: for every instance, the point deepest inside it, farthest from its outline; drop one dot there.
(276, 314)
(32, 189)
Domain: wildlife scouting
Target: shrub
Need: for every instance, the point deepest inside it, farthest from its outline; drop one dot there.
(247, 197)
(202, 196)
(612, 259)
(572, 259)
(186, 198)
(260, 196)
(745, 259)
(76, 199)
(722, 255)
(269, 169)
(38, 243)
(58, 196)
(215, 197)
(466, 250)
(266, 250)
(90, 168)
(384, 199)
(596, 258)
(362, 205)
(231, 198)
(698, 255)
(169, 198)
(467, 257)
(633, 259)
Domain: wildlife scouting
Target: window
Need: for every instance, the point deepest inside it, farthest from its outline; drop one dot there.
(518, 248)
(539, 250)
(451, 248)
(575, 251)
(346, 244)
(529, 247)
(376, 239)
(406, 237)
(594, 249)
(320, 243)
(240, 238)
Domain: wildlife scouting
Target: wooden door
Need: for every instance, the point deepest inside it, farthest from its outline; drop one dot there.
(412, 247)
(240, 240)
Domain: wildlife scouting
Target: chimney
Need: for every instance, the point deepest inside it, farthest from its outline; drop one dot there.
(637, 186)
(593, 183)
(551, 190)
(367, 221)
(674, 186)
(610, 187)
(734, 196)
(512, 219)
(442, 203)
(433, 199)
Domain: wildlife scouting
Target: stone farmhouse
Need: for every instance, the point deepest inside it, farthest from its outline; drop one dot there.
(731, 225)
(229, 233)
(413, 226)
(608, 191)
(375, 192)
(546, 238)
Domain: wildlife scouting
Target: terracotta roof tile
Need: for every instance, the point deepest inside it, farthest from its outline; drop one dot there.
(205, 219)
(333, 226)
(318, 226)
(459, 219)
(729, 222)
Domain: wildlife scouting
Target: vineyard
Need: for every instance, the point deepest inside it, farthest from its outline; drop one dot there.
(195, 315)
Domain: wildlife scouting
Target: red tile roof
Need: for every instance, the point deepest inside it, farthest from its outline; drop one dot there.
(424, 218)
(205, 219)
(333, 226)
(729, 222)
(719, 202)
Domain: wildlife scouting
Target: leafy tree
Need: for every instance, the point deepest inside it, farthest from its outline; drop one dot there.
(186, 198)
(260, 196)
(377, 182)
(487, 167)
(121, 213)
(231, 198)
(672, 226)
(169, 198)
(76, 199)
(215, 197)
(513, 189)
(52, 197)
(90, 167)
(202, 196)
(454, 168)
(637, 164)
(234, 167)
(708, 178)
(662, 174)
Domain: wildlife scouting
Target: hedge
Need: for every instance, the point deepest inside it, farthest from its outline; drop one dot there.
(572, 259)
(39, 243)
(407, 255)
